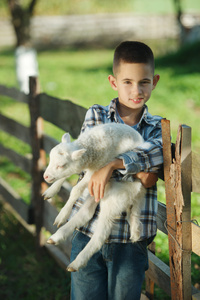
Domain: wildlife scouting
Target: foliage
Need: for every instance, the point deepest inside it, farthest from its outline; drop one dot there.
(63, 7)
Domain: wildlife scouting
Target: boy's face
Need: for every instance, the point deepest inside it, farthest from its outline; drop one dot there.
(134, 83)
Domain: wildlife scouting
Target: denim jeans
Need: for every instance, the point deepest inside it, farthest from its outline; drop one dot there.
(116, 272)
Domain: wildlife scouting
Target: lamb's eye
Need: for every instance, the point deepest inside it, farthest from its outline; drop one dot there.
(59, 167)
(61, 153)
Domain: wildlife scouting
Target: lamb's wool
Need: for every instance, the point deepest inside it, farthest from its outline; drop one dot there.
(92, 150)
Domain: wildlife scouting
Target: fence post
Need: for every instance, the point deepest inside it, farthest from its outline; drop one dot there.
(178, 205)
(186, 188)
(38, 157)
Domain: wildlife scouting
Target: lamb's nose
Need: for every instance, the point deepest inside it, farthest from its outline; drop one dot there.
(45, 177)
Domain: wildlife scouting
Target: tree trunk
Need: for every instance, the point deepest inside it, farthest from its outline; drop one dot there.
(25, 55)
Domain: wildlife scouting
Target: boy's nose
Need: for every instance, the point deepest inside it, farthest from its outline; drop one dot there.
(136, 89)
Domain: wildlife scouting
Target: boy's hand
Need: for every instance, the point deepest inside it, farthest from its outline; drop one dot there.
(101, 177)
(148, 179)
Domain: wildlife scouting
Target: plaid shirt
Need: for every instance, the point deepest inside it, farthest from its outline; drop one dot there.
(147, 158)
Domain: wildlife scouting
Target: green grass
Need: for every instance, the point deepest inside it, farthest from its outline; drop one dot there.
(81, 76)
(62, 7)
(23, 274)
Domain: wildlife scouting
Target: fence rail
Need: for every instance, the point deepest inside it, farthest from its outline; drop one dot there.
(181, 178)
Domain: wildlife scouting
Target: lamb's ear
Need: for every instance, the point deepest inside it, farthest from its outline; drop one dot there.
(66, 138)
(78, 154)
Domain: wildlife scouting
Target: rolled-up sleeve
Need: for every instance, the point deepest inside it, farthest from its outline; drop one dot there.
(146, 158)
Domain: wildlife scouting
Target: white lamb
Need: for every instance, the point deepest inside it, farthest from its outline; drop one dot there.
(92, 150)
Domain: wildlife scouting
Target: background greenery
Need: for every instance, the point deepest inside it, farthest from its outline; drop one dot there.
(60, 7)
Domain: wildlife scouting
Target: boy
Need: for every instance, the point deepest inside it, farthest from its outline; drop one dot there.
(117, 271)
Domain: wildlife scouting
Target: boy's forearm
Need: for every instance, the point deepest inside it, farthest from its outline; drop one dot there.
(117, 164)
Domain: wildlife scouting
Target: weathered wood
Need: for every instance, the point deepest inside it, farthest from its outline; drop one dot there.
(161, 217)
(12, 197)
(149, 282)
(62, 113)
(50, 213)
(49, 143)
(185, 210)
(159, 272)
(13, 93)
(195, 172)
(20, 161)
(15, 129)
(170, 198)
(196, 296)
(195, 238)
(61, 258)
(37, 163)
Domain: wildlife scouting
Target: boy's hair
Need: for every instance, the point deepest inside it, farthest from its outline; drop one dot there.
(132, 52)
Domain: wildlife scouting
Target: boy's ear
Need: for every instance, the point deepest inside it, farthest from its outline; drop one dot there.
(155, 80)
(113, 82)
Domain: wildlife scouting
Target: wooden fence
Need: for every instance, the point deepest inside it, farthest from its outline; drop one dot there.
(181, 175)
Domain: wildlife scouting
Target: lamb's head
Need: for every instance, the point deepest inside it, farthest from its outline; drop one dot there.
(64, 160)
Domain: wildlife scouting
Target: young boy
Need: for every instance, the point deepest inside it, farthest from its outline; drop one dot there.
(117, 271)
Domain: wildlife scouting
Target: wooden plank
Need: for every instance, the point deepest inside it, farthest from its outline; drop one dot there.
(149, 283)
(50, 213)
(196, 296)
(20, 161)
(37, 160)
(170, 198)
(13, 93)
(62, 113)
(49, 143)
(161, 217)
(14, 200)
(195, 239)
(185, 217)
(159, 272)
(195, 172)
(15, 129)
(61, 258)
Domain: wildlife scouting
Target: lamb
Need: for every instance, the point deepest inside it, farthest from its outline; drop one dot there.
(91, 151)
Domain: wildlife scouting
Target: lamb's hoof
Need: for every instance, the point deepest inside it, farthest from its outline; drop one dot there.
(70, 269)
(50, 241)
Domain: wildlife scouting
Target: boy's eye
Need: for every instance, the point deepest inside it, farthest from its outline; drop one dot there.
(144, 82)
(127, 82)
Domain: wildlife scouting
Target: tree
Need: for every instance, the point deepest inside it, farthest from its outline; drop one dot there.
(25, 55)
(21, 21)
(188, 33)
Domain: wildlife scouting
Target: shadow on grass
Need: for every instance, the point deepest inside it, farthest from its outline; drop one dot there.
(22, 274)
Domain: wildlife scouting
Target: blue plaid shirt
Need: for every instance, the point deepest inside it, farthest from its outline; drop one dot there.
(147, 158)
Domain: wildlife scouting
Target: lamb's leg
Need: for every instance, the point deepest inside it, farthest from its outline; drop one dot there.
(79, 219)
(76, 192)
(102, 232)
(53, 189)
(135, 212)
(135, 225)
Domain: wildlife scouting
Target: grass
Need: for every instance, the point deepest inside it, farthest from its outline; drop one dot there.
(54, 7)
(23, 274)
(81, 76)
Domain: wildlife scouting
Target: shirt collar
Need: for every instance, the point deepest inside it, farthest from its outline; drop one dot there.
(112, 113)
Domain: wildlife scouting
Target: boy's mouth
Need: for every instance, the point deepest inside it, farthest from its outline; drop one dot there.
(137, 100)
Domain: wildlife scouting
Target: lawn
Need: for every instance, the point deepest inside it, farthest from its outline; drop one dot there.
(81, 76)
(54, 7)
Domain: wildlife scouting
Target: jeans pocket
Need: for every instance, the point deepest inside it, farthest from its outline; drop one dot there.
(142, 245)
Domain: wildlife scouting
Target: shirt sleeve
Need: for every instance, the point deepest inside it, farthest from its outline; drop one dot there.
(93, 117)
(146, 158)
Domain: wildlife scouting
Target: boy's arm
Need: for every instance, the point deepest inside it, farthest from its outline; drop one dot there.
(101, 177)
(146, 158)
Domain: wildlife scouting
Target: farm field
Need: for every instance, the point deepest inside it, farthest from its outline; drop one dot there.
(81, 76)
